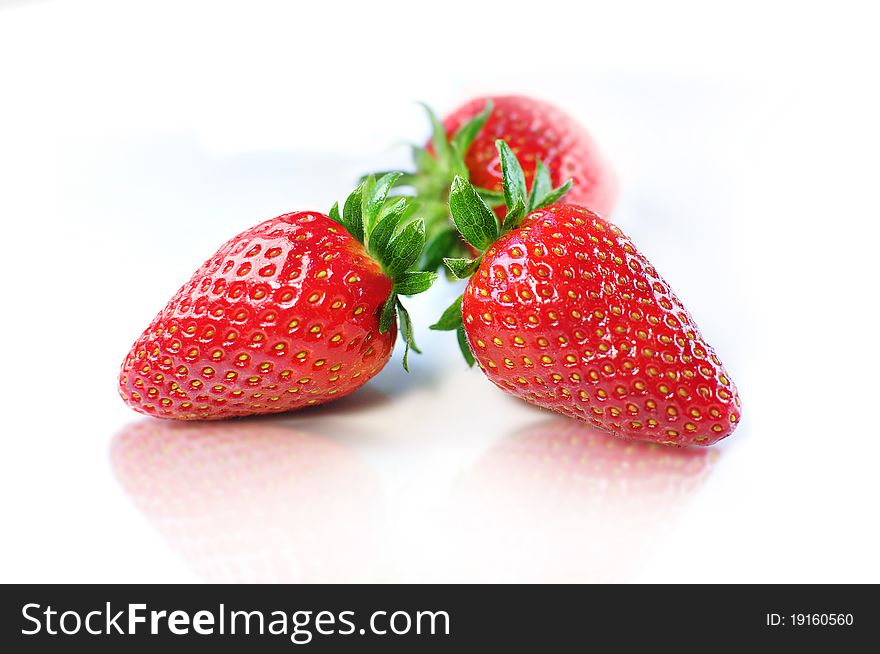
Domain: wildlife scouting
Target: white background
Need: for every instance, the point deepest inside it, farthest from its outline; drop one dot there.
(137, 137)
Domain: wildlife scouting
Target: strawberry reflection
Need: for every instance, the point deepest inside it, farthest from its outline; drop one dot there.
(564, 502)
(252, 501)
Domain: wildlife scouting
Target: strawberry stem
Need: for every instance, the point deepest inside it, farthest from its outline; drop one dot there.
(479, 226)
(387, 227)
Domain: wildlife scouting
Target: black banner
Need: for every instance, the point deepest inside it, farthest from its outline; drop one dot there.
(431, 618)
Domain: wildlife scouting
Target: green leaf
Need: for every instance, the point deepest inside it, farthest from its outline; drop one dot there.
(369, 184)
(389, 313)
(451, 318)
(541, 185)
(465, 134)
(381, 235)
(435, 212)
(390, 218)
(515, 215)
(414, 282)
(398, 204)
(405, 179)
(490, 197)
(399, 208)
(425, 163)
(375, 201)
(555, 195)
(464, 347)
(462, 268)
(406, 332)
(476, 222)
(352, 216)
(439, 246)
(513, 178)
(457, 164)
(413, 206)
(438, 136)
(334, 214)
(405, 249)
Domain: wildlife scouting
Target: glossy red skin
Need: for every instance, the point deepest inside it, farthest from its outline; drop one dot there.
(537, 130)
(622, 352)
(284, 315)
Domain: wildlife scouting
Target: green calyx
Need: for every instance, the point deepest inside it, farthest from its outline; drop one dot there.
(479, 226)
(430, 183)
(451, 320)
(387, 228)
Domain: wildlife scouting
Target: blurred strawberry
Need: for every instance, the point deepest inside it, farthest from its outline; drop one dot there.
(463, 144)
(536, 132)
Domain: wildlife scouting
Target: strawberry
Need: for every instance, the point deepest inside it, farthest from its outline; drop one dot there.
(296, 311)
(537, 132)
(564, 312)
(463, 143)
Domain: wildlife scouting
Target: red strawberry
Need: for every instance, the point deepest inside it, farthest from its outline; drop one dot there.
(464, 144)
(536, 131)
(564, 312)
(296, 311)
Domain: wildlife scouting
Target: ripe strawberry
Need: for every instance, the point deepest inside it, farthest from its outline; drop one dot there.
(296, 311)
(536, 131)
(564, 312)
(464, 144)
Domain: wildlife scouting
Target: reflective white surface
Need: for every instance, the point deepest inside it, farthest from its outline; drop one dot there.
(137, 139)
